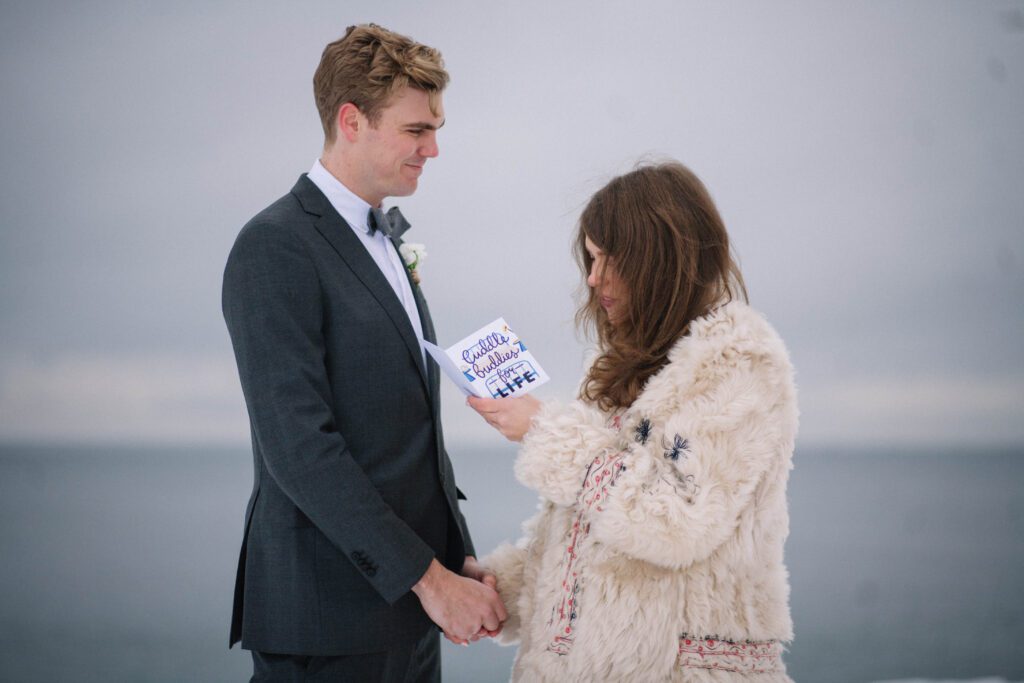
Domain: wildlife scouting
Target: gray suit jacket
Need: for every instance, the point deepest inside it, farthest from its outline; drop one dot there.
(353, 492)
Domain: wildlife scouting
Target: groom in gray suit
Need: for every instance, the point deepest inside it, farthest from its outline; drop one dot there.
(354, 546)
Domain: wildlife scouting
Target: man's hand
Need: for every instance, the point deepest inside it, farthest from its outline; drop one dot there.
(463, 607)
(476, 571)
(510, 416)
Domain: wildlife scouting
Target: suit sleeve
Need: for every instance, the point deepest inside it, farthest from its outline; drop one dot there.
(272, 303)
(467, 540)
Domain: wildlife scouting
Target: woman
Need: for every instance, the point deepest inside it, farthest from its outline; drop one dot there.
(657, 553)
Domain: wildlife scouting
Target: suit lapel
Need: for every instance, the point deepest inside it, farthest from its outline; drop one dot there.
(433, 371)
(339, 235)
(427, 323)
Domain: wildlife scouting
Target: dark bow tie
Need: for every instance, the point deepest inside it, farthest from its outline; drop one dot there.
(392, 223)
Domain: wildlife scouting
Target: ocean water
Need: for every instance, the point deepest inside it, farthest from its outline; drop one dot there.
(118, 564)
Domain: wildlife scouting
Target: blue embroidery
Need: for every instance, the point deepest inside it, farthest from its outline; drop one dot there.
(680, 446)
(643, 431)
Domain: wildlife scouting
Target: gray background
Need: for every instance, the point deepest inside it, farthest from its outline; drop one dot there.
(867, 157)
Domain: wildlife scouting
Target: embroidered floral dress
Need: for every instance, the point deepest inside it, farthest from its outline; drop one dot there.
(657, 551)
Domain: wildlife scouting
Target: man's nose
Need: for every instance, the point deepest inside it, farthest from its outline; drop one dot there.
(429, 148)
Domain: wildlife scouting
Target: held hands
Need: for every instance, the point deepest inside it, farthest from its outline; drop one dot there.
(466, 608)
(476, 571)
(510, 416)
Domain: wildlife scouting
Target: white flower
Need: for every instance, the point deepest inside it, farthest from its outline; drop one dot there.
(413, 254)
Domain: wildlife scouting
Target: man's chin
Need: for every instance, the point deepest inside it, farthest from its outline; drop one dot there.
(405, 190)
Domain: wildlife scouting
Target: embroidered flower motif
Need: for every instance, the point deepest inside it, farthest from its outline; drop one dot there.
(690, 488)
(746, 656)
(684, 486)
(413, 254)
(679, 447)
(600, 476)
(643, 431)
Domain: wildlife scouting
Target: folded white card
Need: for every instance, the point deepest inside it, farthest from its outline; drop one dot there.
(492, 362)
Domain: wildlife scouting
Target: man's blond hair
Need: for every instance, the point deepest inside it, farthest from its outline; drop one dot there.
(367, 66)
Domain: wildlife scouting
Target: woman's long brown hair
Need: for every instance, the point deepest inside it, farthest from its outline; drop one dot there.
(665, 240)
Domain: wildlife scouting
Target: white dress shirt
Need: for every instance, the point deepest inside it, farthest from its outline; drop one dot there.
(355, 212)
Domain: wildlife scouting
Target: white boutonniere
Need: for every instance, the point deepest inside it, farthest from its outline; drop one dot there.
(413, 254)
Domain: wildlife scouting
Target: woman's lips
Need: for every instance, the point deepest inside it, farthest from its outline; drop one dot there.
(607, 302)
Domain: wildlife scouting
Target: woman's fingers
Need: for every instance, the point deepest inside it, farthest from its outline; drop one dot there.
(510, 416)
(484, 405)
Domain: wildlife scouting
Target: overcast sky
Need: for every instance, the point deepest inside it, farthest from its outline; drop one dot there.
(868, 159)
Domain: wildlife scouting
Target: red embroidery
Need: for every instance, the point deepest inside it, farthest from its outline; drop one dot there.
(601, 474)
(754, 657)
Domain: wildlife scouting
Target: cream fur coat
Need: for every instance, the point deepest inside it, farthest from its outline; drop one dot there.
(657, 551)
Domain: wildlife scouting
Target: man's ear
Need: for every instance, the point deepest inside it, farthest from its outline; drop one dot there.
(350, 121)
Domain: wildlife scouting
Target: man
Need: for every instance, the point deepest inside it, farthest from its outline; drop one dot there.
(354, 542)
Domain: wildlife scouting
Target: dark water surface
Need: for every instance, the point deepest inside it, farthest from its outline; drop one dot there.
(118, 564)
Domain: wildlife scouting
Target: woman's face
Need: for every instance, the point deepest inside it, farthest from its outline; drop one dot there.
(604, 280)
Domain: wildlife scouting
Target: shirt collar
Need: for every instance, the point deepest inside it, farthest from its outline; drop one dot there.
(346, 202)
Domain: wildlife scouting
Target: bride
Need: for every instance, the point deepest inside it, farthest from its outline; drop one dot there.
(657, 552)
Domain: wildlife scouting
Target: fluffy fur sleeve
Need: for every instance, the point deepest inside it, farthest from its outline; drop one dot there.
(508, 564)
(555, 451)
(685, 486)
